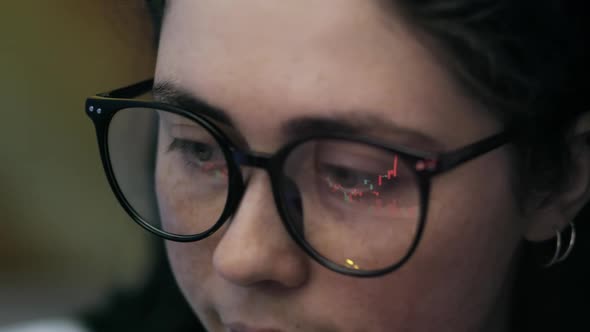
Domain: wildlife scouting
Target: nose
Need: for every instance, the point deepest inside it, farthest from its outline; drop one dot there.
(256, 248)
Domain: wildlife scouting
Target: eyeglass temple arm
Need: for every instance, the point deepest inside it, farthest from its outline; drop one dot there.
(130, 91)
(451, 159)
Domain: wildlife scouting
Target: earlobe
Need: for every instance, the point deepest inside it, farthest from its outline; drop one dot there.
(542, 222)
(566, 203)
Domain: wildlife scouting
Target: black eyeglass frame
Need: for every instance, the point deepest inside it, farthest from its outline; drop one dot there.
(102, 108)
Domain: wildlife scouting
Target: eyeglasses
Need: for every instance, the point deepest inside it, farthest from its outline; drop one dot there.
(356, 206)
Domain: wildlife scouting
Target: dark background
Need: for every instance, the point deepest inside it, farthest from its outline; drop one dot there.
(64, 241)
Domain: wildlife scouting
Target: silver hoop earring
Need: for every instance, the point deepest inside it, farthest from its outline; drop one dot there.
(556, 258)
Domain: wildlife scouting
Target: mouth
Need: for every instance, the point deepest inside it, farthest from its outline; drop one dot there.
(239, 327)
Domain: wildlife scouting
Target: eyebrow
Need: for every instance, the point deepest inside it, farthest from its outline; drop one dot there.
(169, 93)
(350, 123)
(364, 124)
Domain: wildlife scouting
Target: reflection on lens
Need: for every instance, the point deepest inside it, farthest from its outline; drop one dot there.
(170, 169)
(359, 204)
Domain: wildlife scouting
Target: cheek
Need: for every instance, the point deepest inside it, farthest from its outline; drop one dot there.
(472, 234)
(193, 270)
(473, 211)
(461, 268)
(181, 213)
(189, 203)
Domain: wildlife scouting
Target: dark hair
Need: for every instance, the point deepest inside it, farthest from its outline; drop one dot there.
(527, 60)
(524, 59)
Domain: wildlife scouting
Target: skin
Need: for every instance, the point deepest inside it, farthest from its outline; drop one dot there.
(266, 63)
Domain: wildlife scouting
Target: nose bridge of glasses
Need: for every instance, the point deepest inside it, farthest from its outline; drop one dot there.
(252, 159)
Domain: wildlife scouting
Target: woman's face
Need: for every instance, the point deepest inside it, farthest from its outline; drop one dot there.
(269, 64)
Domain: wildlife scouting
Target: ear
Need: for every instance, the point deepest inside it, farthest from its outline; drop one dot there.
(575, 194)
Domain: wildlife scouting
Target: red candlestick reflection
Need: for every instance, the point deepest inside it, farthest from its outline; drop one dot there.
(390, 172)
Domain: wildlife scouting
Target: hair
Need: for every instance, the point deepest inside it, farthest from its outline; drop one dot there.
(527, 61)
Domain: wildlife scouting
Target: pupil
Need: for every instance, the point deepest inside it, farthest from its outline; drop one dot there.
(203, 153)
(344, 177)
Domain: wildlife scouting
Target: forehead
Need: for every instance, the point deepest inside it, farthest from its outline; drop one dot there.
(275, 60)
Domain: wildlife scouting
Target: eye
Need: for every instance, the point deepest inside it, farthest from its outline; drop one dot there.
(343, 176)
(191, 149)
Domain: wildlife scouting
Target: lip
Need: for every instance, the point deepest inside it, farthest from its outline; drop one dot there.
(240, 327)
